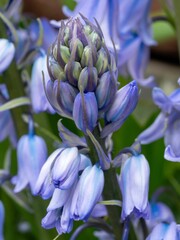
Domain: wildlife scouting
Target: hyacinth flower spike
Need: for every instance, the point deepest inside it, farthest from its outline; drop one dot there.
(31, 155)
(134, 183)
(1, 220)
(7, 53)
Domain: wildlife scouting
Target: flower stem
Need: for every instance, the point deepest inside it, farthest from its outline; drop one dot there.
(111, 187)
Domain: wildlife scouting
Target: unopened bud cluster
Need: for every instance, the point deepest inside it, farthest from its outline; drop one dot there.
(83, 74)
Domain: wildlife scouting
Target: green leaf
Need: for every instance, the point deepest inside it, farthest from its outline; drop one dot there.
(112, 202)
(11, 28)
(15, 103)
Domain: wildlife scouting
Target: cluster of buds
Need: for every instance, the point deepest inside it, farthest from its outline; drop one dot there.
(83, 74)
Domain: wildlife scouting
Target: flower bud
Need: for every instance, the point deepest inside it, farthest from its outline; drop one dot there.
(85, 111)
(88, 79)
(106, 91)
(7, 52)
(72, 71)
(102, 62)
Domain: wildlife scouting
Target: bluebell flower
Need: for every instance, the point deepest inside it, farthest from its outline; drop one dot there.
(65, 168)
(123, 105)
(31, 155)
(38, 96)
(166, 125)
(164, 231)
(6, 123)
(85, 111)
(87, 192)
(134, 183)
(159, 213)
(7, 52)
(1, 221)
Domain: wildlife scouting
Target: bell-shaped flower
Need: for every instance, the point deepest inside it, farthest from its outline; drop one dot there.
(164, 231)
(166, 124)
(134, 183)
(38, 96)
(7, 52)
(87, 192)
(85, 111)
(66, 167)
(1, 221)
(59, 210)
(31, 155)
(123, 105)
(44, 185)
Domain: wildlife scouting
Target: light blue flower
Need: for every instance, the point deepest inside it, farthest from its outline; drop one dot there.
(134, 183)
(1, 221)
(65, 168)
(31, 155)
(7, 51)
(164, 231)
(87, 192)
(38, 96)
(166, 125)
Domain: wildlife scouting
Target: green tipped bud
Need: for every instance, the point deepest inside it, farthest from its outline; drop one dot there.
(87, 57)
(102, 62)
(72, 70)
(64, 54)
(76, 47)
(57, 71)
(66, 36)
(88, 79)
(87, 29)
(96, 39)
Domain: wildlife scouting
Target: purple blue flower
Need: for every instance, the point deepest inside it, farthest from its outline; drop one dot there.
(166, 125)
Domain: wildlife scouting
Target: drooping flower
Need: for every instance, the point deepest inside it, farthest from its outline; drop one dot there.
(87, 192)
(31, 155)
(134, 183)
(7, 52)
(1, 221)
(166, 125)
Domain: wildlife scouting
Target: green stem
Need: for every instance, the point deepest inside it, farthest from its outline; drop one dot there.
(111, 187)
